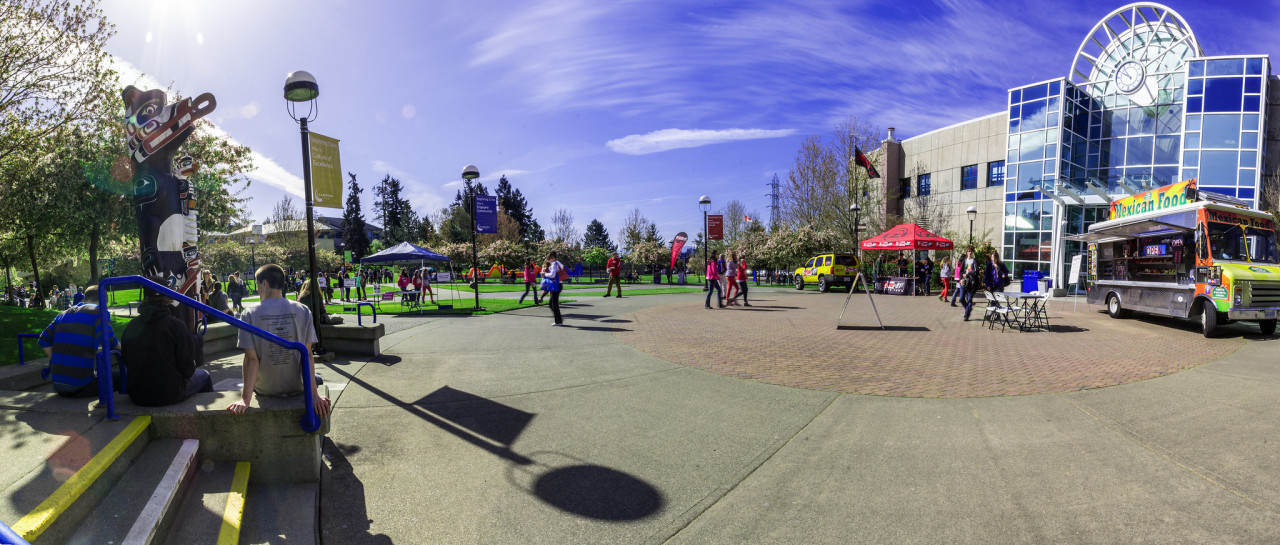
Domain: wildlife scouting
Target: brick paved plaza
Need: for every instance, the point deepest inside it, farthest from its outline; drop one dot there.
(791, 339)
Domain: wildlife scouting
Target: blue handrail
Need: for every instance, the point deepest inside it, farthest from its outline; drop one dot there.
(372, 309)
(9, 537)
(310, 422)
(22, 358)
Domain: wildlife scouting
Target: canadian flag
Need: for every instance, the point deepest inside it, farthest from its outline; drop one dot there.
(747, 219)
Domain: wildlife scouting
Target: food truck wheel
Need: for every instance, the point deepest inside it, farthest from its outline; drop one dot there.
(823, 285)
(1113, 308)
(1209, 319)
(1268, 327)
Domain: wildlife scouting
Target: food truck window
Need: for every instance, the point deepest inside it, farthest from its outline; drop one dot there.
(1233, 242)
(1202, 249)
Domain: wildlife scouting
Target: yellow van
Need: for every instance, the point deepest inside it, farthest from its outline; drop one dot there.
(828, 270)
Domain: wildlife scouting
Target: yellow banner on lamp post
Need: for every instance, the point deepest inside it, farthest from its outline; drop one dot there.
(326, 171)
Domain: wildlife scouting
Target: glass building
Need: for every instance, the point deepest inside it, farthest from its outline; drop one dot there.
(1141, 107)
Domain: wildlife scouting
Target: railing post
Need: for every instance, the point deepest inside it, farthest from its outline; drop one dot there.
(310, 420)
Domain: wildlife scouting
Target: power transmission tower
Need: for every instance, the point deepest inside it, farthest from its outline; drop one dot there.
(774, 206)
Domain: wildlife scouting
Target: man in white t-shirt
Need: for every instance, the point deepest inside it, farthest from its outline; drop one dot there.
(271, 369)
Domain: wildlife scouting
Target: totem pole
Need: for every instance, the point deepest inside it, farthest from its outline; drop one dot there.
(166, 200)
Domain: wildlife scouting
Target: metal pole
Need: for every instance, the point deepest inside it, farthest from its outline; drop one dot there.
(706, 239)
(971, 233)
(475, 261)
(316, 302)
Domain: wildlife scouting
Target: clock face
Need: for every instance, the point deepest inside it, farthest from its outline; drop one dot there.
(1129, 77)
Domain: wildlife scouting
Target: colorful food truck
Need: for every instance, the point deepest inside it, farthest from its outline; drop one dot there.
(1177, 251)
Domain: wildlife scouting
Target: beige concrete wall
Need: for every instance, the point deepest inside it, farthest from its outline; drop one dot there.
(943, 152)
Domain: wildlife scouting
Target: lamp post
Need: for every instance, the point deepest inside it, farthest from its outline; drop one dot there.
(704, 202)
(973, 214)
(470, 172)
(301, 86)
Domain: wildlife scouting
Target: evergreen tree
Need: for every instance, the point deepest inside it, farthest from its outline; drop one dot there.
(399, 222)
(651, 234)
(597, 237)
(516, 207)
(536, 234)
(353, 224)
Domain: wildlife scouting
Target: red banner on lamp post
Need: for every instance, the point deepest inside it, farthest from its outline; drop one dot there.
(715, 227)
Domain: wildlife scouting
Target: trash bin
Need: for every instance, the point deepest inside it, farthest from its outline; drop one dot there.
(1030, 280)
(1044, 284)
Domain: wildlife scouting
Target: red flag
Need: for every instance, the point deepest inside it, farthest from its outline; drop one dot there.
(864, 163)
(676, 245)
(747, 219)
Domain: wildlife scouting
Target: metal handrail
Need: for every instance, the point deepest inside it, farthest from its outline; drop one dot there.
(371, 309)
(22, 358)
(9, 537)
(310, 422)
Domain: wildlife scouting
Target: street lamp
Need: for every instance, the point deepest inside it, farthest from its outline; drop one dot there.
(704, 202)
(470, 172)
(855, 209)
(973, 214)
(301, 86)
(255, 232)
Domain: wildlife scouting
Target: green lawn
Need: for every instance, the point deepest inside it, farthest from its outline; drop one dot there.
(14, 320)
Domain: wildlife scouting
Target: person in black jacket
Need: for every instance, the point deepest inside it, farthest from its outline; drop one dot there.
(159, 354)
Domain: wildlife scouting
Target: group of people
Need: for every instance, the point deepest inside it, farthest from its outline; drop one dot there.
(419, 280)
(162, 355)
(966, 277)
(723, 278)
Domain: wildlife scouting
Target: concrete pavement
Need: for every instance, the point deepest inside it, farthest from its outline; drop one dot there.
(502, 429)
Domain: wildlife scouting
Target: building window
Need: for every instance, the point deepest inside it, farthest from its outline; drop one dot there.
(922, 185)
(995, 173)
(969, 177)
(904, 188)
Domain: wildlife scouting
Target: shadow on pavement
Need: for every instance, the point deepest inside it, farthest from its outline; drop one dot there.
(598, 328)
(878, 328)
(583, 489)
(1066, 329)
(343, 510)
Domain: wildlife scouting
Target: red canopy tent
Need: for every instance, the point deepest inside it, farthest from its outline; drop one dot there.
(907, 236)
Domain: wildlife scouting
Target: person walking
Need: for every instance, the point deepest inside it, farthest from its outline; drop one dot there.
(554, 272)
(713, 283)
(742, 281)
(927, 275)
(997, 274)
(944, 274)
(962, 268)
(531, 282)
(968, 286)
(614, 267)
(731, 277)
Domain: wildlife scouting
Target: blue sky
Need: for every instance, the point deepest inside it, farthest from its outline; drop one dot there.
(599, 107)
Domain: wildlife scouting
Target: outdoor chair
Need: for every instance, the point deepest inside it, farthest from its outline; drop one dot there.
(1008, 311)
(989, 313)
(1036, 314)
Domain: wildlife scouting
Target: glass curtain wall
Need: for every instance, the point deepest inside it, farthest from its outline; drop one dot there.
(1226, 110)
(1035, 129)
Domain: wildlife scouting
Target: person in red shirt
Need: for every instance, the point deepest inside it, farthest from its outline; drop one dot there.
(615, 274)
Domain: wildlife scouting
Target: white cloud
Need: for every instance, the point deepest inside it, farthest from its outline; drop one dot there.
(420, 195)
(250, 110)
(408, 111)
(200, 38)
(669, 139)
(148, 36)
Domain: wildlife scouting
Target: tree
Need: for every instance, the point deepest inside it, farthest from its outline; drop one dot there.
(54, 70)
(651, 234)
(288, 231)
(353, 226)
(734, 211)
(826, 180)
(508, 253)
(648, 254)
(596, 257)
(562, 227)
(393, 211)
(597, 237)
(633, 229)
(516, 207)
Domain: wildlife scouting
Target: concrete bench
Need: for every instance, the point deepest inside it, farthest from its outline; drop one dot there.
(342, 338)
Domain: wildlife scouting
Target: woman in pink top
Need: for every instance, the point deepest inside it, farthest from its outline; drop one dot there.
(742, 282)
(731, 275)
(713, 282)
(530, 281)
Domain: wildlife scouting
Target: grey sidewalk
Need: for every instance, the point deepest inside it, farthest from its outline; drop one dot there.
(502, 429)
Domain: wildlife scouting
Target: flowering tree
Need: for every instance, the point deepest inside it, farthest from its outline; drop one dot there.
(504, 252)
(647, 253)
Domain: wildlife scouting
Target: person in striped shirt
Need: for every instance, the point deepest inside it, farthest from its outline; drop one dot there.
(71, 343)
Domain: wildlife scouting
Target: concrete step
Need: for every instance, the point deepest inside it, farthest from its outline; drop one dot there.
(145, 499)
(47, 504)
(199, 518)
(282, 513)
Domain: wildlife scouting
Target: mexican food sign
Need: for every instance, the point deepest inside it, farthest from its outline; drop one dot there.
(1160, 198)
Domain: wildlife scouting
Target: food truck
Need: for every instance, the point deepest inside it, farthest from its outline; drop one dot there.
(1176, 251)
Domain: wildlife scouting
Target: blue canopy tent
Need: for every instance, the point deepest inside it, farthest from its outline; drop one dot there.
(408, 254)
